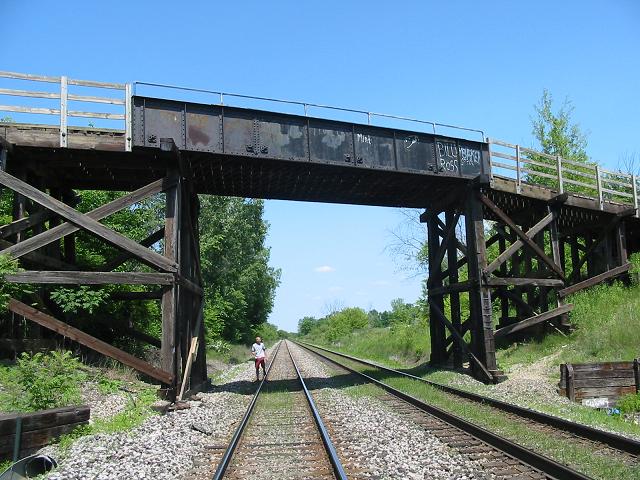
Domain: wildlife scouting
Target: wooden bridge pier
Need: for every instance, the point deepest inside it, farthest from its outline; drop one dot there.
(43, 235)
(505, 271)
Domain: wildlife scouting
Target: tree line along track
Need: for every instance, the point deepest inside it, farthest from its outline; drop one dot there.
(600, 438)
(506, 459)
(281, 434)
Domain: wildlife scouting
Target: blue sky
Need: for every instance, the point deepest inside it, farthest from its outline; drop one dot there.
(478, 64)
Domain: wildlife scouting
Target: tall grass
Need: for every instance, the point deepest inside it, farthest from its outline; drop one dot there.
(397, 345)
(606, 321)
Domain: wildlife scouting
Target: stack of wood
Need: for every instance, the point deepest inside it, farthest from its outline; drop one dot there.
(37, 429)
(599, 384)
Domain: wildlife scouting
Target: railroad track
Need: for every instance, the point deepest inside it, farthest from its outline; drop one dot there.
(500, 457)
(281, 435)
(598, 438)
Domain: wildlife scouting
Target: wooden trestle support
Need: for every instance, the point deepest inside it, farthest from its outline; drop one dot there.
(42, 236)
(494, 276)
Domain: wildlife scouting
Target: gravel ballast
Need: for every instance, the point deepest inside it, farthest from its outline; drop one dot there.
(381, 443)
(163, 446)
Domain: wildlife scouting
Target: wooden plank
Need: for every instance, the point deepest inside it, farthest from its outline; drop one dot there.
(28, 93)
(91, 278)
(152, 239)
(535, 282)
(604, 382)
(28, 76)
(626, 373)
(43, 418)
(24, 223)
(602, 366)
(514, 247)
(41, 259)
(90, 99)
(87, 340)
(527, 241)
(153, 295)
(87, 223)
(528, 322)
(589, 282)
(36, 439)
(636, 373)
(609, 392)
(99, 213)
(458, 338)
(451, 288)
(105, 116)
(38, 110)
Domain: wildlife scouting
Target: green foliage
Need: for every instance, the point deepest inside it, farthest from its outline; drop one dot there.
(41, 381)
(629, 403)
(72, 300)
(138, 409)
(558, 135)
(605, 318)
(239, 283)
(7, 290)
(306, 324)
(6, 119)
(267, 331)
(107, 386)
(345, 322)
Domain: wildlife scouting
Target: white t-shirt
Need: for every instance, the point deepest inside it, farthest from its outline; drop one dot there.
(259, 349)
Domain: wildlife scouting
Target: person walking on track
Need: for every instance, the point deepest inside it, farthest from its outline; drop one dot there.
(259, 351)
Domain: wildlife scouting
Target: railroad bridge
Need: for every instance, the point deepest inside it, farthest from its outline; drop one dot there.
(511, 231)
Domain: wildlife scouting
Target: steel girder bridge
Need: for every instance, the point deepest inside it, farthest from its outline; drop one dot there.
(511, 232)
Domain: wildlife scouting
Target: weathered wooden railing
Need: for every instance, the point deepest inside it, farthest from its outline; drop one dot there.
(525, 165)
(64, 96)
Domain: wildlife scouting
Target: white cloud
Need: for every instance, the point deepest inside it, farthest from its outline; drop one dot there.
(324, 269)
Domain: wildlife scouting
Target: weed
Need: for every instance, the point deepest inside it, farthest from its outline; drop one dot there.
(41, 381)
(629, 403)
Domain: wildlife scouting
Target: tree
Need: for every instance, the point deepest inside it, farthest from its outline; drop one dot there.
(558, 135)
(239, 284)
(306, 324)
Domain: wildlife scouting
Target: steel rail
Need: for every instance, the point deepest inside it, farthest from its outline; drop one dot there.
(550, 468)
(235, 440)
(338, 470)
(613, 440)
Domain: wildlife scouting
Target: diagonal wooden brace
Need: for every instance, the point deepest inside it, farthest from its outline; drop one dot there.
(523, 236)
(87, 222)
(508, 253)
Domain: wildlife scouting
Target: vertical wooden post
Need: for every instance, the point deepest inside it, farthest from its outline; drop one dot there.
(621, 243)
(70, 240)
(504, 301)
(168, 350)
(436, 329)
(454, 298)
(575, 259)
(482, 340)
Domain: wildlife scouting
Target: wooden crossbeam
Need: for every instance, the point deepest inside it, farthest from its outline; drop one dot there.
(523, 236)
(88, 222)
(458, 338)
(447, 232)
(87, 340)
(152, 295)
(514, 247)
(589, 282)
(601, 237)
(23, 224)
(91, 278)
(124, 256)
(451, 288)
(536, 319)
(530, 282)
(41, 259)
(459, 245)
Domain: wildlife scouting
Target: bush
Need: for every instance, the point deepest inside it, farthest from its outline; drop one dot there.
(629, 403)
(41, 381)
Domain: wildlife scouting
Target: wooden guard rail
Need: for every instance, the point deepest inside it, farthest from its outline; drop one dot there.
(64, 97)
(525, 165)
(580, 381)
